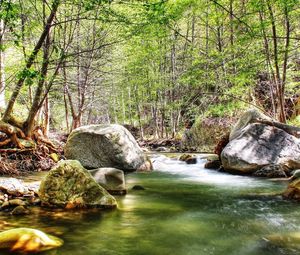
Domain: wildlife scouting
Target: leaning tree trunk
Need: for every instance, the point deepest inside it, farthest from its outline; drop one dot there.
(9, 125)
(2, 74)
(29, 123)
(8, 112)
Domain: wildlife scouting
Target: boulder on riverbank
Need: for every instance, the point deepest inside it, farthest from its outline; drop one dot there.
(112, 145)
(260, 145)
(111, 179)
(69, 185)
(256, 146)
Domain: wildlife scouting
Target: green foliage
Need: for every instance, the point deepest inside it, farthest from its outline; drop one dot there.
(157, 62)
(226, 109)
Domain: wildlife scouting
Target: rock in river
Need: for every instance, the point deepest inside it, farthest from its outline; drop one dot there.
(293, 190)
(27, 240)
(259, 145)
(272, 171)
(111, 179)
(69, 185)
(288, 240)
(113, 145)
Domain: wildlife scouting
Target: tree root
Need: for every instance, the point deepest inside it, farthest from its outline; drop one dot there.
(16, 139)
(12, 133)
(40, 138)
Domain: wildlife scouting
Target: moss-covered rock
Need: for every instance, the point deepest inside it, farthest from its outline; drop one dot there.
(70, 185)
(25, 240)
(187, 158)
(293, 190)
(289, 240)
(19, 210)
(98, 146)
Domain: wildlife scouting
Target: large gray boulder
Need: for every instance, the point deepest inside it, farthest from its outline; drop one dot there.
(113, 145)
(112, 179)
(259, 145)
(247, 118)
(69, 185)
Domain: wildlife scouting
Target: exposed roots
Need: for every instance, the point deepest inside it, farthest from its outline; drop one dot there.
(13, 134)
(20, 154)
(18, 162)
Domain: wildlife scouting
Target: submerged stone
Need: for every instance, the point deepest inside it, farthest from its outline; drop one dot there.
(26, 240)
(288, 240)
(98, 146)
(20, 210)
(69, 185)
(138, 187)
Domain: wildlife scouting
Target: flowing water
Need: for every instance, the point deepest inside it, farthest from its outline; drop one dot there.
(184, 210)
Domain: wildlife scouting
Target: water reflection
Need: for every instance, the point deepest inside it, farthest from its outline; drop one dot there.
(184, 209)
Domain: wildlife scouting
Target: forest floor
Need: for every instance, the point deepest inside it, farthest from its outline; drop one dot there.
(14, 162)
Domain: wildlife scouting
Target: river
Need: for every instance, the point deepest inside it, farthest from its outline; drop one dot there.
(184, 210)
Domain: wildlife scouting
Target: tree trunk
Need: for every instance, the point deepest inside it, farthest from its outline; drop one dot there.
(30, 61)
(279, 93)
(2, 72)
(29, 123)
(46, 124)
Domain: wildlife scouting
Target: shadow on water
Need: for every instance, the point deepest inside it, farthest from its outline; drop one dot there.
(184, 209)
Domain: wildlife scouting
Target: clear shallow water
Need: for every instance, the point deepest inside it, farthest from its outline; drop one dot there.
(185, 210)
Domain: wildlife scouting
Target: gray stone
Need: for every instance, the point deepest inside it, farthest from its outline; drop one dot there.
(259, 145)
(98, 146)
(69, 185)
(272, 171)
(212, 164)
(247, 118)
(12, 203)
(13, 186)
(138, 187)
(296, 174)
(111, 179)
(20, 210)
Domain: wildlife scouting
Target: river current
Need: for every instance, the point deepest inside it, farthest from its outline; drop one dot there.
(184, 210)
